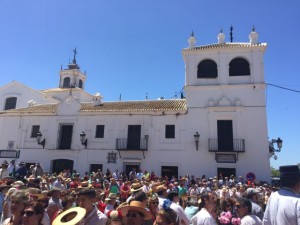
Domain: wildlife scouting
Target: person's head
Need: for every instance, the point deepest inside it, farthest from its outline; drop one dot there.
(243, 207)
(252, 194)
(173, 196)
(153, 202)
(55, 193)
(161, 190)
(141, 196)
(166, 216)
(86, 198)
(207, 201)
(226, 205)
(18, 201)
(32, 214)
(135, 213)
(111, 199)
(290, 177)
(67, 202)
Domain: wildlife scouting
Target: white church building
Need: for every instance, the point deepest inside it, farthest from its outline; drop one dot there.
(220, 126)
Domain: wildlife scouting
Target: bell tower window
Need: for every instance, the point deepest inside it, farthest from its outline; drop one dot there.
(80, 83)
(207, 69)
(66, 83)
(239, 67)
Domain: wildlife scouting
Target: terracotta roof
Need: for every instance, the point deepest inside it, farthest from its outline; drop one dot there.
(47, 108)
(148, 105)
(123, 106)
(226, 45)
(61, 89)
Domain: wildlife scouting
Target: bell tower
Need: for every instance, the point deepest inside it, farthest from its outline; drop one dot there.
(72, 76)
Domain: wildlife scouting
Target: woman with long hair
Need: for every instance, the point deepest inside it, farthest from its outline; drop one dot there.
(18, 201)
(153, 206)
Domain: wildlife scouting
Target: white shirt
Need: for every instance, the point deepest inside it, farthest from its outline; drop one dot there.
(180, 212)
(250, 220)
(285, 213)
(203, 217)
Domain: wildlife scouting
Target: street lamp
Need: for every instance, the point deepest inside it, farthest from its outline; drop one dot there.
(83, 139)
(196, 138)
(272, 149)
(38, 139)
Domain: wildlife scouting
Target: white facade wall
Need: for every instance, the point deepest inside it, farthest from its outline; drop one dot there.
(240, 99)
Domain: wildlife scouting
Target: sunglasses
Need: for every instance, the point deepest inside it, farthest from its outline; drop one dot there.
(133, 215)
(155, 203)
(228, 205)
(239, 206)
(27, 213)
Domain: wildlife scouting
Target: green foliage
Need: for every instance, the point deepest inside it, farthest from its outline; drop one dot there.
(274, 172)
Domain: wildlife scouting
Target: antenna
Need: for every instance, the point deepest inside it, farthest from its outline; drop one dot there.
(231, 37)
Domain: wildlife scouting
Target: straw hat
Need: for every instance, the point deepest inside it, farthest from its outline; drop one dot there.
(136, 206)
(111, 196)
(80, 213)
(135, 187)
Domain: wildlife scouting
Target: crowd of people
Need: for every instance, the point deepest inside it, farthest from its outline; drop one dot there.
(142, 198)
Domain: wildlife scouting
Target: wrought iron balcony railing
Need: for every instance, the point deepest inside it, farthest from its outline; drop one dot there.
(124, 144)
(234, 145)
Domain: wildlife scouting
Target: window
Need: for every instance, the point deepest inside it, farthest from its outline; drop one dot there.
(80, 83)
(169, 171)
(239, 67)
(65, 136)
(170, 131)
(66, 83)
(10, 103)
(207, 69)
(35, 129)
(225, 135)
(99, 131)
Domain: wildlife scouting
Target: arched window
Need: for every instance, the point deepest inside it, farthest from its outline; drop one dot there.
(80, 83)
(10, 103)
(66, 83)
(239, 67)
(207, 69)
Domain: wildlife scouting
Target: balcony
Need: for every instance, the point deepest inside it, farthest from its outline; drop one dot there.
(226, 150)
(218, 145)
(125, 144)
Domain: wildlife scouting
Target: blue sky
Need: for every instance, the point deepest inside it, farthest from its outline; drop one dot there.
(133, 47)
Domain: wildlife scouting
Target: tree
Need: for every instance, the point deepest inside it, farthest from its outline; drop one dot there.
(274, 172)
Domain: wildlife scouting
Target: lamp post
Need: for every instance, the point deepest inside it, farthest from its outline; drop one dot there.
(38, 139)
(196, 138)
(272, 150)
(83, 139)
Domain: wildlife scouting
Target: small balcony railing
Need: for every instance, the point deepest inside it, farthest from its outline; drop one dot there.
(235, 145)
(124, 144)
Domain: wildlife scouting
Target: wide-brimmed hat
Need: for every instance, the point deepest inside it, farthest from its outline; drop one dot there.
(80, 213)
(251, 191)
(291, 171)
(135, 187)
(160, 188)
(18, 183)
(136, 206)
(111, 196)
